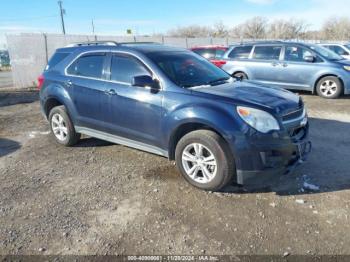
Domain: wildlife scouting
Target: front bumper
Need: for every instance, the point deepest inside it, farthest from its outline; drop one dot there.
(264, 157)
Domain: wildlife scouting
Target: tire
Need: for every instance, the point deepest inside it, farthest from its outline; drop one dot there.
(240, 75)
(62, 127)
(329, 87)
(212, 145)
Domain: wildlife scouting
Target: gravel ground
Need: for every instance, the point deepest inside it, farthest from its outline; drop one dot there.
(101, 198)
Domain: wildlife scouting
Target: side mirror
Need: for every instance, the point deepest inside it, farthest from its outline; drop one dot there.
(145, 81)
(309, 58)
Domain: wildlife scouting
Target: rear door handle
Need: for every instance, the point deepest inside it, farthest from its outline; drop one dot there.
(111, 92)
(274, 64)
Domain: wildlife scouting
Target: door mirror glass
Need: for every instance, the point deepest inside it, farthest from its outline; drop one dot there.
(145, 81)
(309, 58)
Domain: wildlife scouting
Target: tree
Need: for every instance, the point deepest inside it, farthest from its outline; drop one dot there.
(287, 29)
(219, 30)
(255, 27)
(336, 29)
(191, 31)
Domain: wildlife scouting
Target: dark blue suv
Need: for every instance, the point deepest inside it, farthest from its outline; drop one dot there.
(174, 103)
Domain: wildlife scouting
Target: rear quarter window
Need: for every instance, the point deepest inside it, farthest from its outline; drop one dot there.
(55, 59)
(240, 52)
(207, 53)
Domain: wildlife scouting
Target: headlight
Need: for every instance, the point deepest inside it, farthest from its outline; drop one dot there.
(347, 68)
(258, 119)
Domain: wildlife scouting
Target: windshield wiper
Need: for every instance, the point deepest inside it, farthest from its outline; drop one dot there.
(195, 85)
(219, 80)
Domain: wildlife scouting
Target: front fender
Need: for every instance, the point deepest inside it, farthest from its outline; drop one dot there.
(220, 119)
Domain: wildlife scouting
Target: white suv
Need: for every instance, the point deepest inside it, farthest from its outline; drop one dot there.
(341, 49)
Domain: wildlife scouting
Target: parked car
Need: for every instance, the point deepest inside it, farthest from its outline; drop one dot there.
(213, 53)
(174, 103)
(341, 49)
(290, 65)
(4, 58)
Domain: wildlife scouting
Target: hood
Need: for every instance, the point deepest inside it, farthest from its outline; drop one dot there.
(343, 62)
(278, 100)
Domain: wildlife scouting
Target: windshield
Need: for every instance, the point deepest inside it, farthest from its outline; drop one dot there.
(326, 53)
(187, 69)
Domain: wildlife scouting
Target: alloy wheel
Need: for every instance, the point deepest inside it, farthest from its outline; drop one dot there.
(199, 163)
(328, 88)
(59, 127)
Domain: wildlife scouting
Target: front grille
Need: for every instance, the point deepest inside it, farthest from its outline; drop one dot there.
(293, 115)
(297, 133)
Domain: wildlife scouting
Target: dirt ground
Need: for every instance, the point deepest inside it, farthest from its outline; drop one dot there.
(101, 198)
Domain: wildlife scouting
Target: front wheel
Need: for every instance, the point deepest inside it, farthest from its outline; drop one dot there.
(204, 160)
(329, 87)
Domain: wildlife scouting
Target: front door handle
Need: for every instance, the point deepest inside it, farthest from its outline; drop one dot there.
(111, 92)
(284, 64)
(69, 83)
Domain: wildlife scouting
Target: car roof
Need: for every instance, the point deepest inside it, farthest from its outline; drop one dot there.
(142, 47)
(332, 44)
(271, 43)
(209, 46)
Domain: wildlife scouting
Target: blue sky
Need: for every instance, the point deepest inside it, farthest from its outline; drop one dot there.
(155, 16)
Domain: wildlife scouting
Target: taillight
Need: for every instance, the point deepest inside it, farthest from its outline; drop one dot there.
(40, 81)
(218, 63)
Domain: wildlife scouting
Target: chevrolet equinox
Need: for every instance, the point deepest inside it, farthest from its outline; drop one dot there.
(174, 103)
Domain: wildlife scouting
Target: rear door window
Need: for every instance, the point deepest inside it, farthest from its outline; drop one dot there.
(55, 59)
(125, 67)
(90, 65)
(267, 52)
(240, 52)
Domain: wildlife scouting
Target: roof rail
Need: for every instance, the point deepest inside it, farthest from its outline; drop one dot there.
(111, 43)
(138, 43)
(92, 43)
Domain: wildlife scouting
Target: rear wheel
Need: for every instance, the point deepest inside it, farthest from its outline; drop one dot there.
(204, 160)
(329, 87)
(62, 127)
(240, 75)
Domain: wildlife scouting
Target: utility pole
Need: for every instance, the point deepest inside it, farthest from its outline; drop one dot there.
(62, 12)
(93, 29)
(93, 26)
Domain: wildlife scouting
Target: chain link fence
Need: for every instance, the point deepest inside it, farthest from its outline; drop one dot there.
(29, 53)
